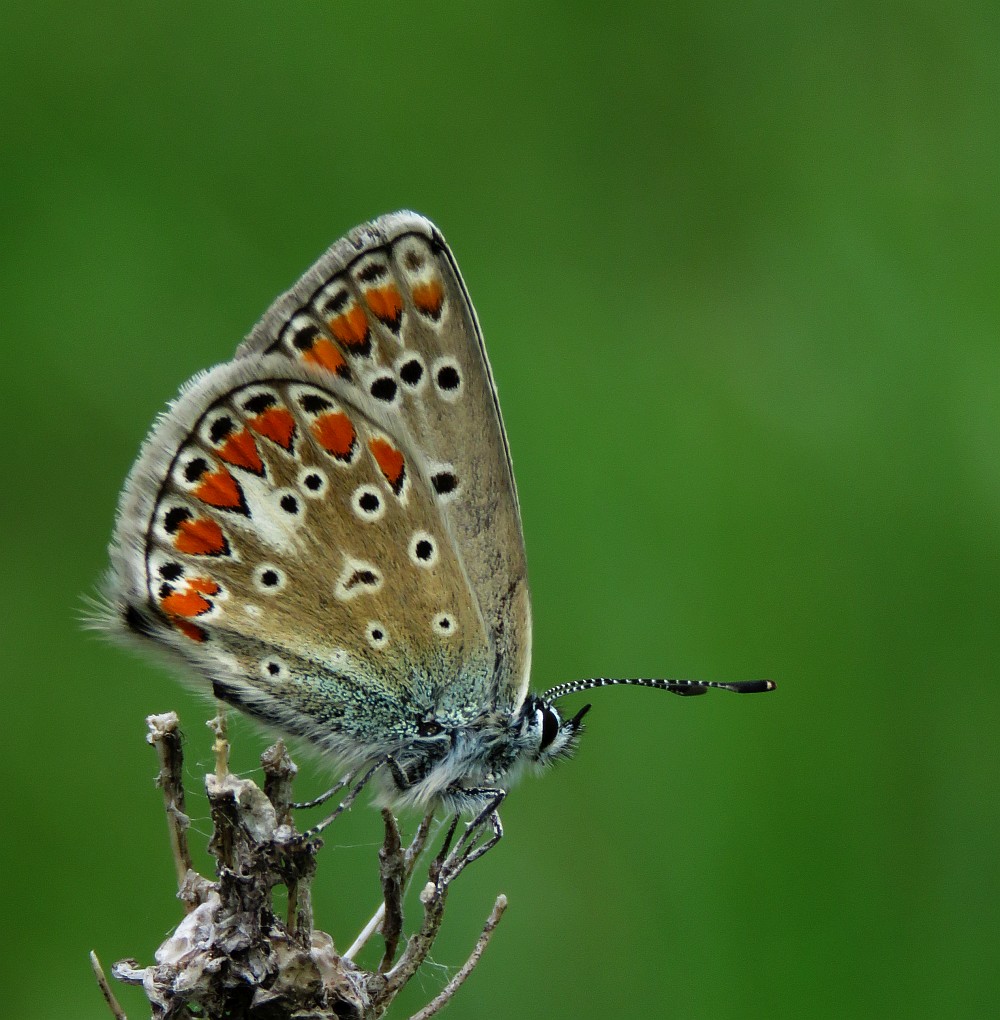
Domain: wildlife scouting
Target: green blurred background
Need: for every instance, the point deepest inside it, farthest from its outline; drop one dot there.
(737, 270)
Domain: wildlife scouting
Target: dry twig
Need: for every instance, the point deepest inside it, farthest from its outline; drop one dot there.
(442, 999)
(102, 982)
(165, 735)
(231, 956)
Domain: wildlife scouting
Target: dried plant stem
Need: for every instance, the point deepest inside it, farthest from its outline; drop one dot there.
(109, 996)
(231, 956)
(412, 855)
(279, 774)
(392, 874)
(164, 735)
(416, 848)
(442, 1000)
(420, 943)
(221, 746)
(365, 934)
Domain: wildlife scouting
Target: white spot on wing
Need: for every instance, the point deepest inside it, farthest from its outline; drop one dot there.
(367, 503)
(357, 578)
(377, 635)
(444, 625)
(423, 549)
(268, 579)
(273, 667)
(313, 482)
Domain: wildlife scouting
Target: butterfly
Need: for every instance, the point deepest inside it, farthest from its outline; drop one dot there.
(325, 532)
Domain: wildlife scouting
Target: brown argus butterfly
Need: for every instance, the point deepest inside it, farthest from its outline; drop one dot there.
(325, 531)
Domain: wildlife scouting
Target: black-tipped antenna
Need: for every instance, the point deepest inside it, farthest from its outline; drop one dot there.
(684, 687)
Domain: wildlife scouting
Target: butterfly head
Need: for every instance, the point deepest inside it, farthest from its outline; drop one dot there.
(544, 735)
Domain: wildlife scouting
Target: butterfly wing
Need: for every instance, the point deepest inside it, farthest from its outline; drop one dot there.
(385, 311)
(266, 500)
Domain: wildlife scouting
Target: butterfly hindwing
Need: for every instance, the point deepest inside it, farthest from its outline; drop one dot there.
(386, 313)
(291, 546)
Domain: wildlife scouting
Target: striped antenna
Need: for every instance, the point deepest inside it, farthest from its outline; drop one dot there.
(684, 687)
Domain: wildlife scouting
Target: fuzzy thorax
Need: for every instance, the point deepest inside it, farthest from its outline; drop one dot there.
(461, 768)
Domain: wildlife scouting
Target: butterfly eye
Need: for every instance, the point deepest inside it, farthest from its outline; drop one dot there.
(549, 722)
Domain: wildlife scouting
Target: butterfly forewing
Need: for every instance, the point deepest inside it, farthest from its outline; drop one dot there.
(385, 312)
(269, 502)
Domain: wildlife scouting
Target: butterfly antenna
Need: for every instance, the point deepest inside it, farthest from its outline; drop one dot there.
(684, 687)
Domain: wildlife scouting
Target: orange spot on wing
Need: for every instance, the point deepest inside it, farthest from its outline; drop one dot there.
(189, 630)
(188, 603)
(335, 433)
(429, 298)
(351, 328)
(200, 536)
(326, 354)
(204, 585)
(219, 488)
(240, 450)
(390, 461)
(276, 424)
(386, 302)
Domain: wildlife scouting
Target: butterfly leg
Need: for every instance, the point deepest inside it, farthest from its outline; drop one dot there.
(489, 815)
(468, 849)
(347, 801)
(448, 837)
(302, 805)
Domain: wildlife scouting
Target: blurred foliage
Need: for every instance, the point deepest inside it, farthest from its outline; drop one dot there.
(736, 266)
